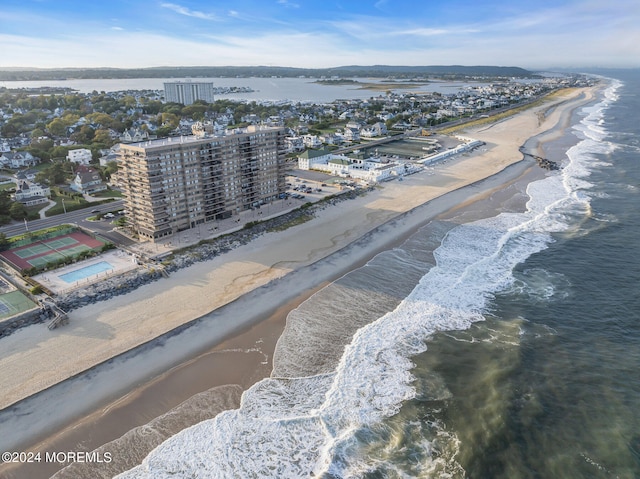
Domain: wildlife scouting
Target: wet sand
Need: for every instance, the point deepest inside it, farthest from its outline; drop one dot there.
(381, 207)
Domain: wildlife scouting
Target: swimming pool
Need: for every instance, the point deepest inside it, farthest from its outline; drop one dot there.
(82, 273)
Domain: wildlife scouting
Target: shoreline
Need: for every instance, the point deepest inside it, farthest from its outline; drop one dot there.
(450, 208)
(383, 215)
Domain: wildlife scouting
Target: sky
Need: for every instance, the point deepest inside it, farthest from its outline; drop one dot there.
(534, 34)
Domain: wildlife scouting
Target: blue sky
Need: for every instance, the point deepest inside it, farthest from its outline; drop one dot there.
(533, 34)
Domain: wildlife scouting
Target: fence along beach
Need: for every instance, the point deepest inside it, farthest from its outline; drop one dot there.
(33, 360)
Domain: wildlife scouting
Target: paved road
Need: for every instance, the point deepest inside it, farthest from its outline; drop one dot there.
(78, 217)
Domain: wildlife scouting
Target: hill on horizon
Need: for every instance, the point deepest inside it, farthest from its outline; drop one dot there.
(441, 71)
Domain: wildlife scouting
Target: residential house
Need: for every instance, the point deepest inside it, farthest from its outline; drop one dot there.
(311, 141)
(377, 129)
(87, 181)
(331, 139)
(30, 194)
(109, 155)
(29, 175)
(134, 135)
(81, 156)
(18, 159)
(351, 134)
(293, 143)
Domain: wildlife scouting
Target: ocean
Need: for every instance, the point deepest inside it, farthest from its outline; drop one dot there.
(493, 346)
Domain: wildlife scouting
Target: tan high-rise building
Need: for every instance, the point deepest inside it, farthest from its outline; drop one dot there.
(173, 184)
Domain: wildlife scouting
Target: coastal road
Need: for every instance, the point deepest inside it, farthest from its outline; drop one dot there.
(78, 217)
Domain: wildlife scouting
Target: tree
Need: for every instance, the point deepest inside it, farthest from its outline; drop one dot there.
(18, 211)
(110, 169)
(37, 133)
(83, 135)
(57, 127)
(5, 202)
(152, 107)
(4, 242)
(53, 175)
(102, 119)
(103, 139)
(171, 120)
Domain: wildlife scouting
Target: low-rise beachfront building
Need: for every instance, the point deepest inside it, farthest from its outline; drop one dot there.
(370, 170)
(468, 145)
(338, 166)
(309, 159)
(173, 184)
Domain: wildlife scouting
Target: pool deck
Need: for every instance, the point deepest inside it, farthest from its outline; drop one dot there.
(120, 260)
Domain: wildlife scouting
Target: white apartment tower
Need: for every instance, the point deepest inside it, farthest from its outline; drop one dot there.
(173, 184)
(187, 92)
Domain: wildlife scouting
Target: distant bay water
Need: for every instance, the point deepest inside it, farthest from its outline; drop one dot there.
(264, 89)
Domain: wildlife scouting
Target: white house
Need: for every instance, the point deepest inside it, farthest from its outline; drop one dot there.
(377, 129)
(108, 156)
(331, 139)
(87, 181)
(311, 141)
(134, 135)
(351, 134)
(81, 156)
(18, 159)
(293, 143)
(30, 194)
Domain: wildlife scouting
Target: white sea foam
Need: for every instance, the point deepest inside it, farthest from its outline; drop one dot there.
(293, 427)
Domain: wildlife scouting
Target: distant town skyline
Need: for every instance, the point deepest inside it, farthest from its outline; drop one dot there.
(319, 34)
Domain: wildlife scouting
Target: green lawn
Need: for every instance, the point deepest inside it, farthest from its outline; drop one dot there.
(108, 194)
(70, 204)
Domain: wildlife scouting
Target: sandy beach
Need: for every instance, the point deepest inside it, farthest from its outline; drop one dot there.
(34, 358)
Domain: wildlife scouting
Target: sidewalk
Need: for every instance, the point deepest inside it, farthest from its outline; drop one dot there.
(45, 209)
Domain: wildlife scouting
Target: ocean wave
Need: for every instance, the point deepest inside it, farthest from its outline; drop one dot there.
(313, 425)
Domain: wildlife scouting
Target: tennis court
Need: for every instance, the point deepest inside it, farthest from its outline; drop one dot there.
(40, 253)
(13, 303)
(44, 246)
(57, 255)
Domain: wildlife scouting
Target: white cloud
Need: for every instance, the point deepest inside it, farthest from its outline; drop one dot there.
(433, 32)
(364, 40)
(289, 4)
(189, 13)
